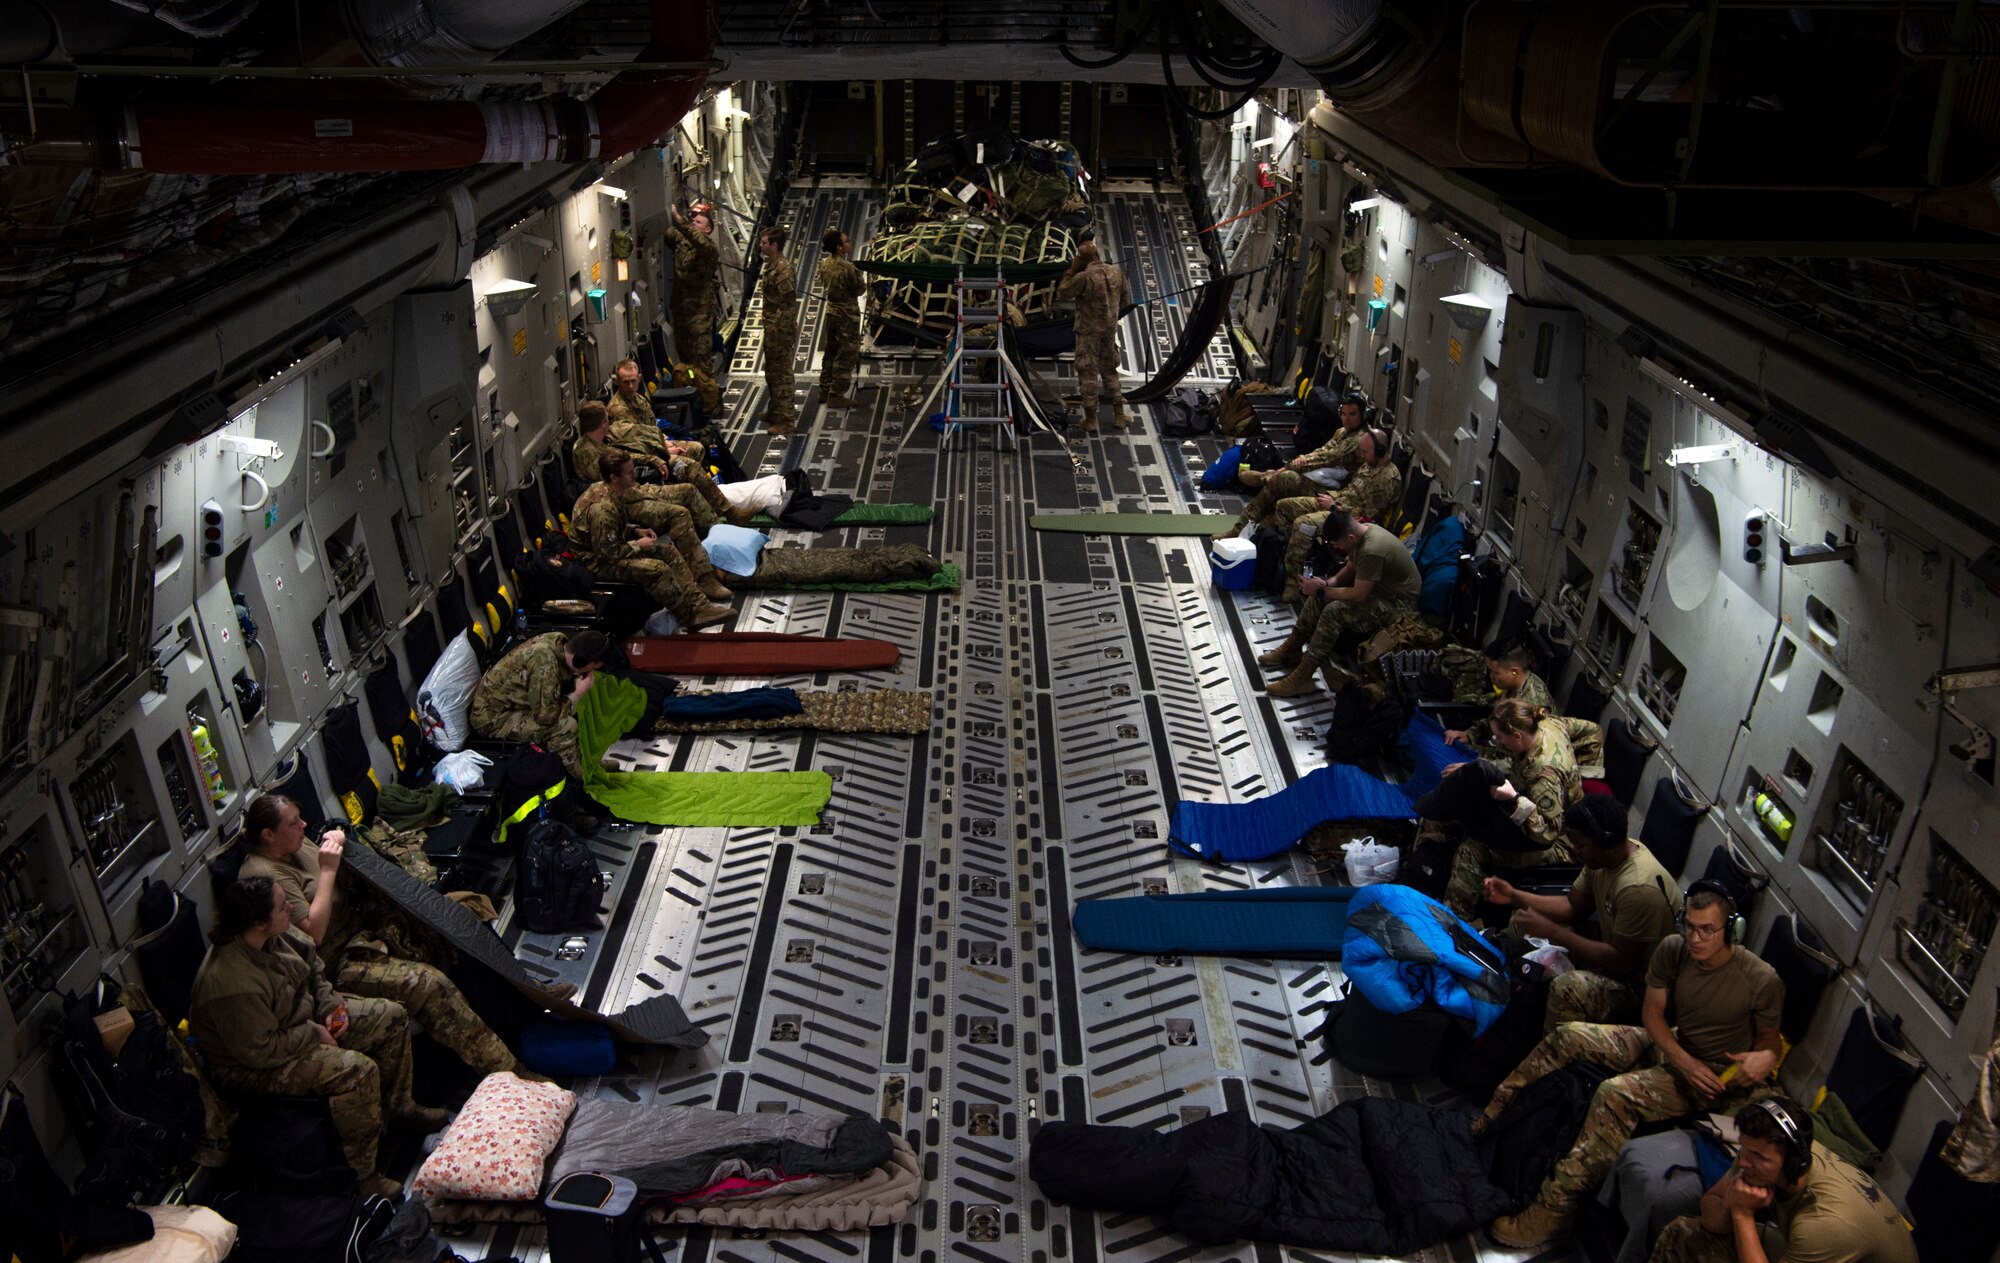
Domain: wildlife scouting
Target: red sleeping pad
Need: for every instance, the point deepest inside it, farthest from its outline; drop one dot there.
(756, 653)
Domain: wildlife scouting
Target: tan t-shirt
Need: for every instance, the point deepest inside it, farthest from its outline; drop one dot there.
(1381, 556)
(1840, 1215)
(1635, 903)
(298, 877)
(1716, 1011)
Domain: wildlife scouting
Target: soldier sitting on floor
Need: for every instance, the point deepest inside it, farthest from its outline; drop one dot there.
(530, 695)
(1632, 899)
(359, 958)
(266, 1021)
(1719, 1051)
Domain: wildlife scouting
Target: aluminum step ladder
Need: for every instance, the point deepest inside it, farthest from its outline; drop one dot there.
(979, 388)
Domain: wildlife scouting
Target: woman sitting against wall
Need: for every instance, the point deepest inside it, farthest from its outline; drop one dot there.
(265, 1020)
(359, 962)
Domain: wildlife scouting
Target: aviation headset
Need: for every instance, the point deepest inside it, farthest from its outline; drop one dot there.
(1798, 1141)
(1733, 925)
(1367, 409)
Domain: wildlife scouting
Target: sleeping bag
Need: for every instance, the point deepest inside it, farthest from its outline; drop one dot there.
(1372, 1176)
(1403, 949)
(792, 567)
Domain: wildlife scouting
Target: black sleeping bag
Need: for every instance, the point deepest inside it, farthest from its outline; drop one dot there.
(1373, 1176)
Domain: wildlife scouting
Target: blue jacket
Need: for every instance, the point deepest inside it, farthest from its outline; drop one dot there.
(1403, 949)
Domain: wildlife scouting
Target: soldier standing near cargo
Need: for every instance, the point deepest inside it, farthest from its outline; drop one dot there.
(530, 695)
(617, 549)
(779, 288)
(1100, 294)
(692, 307)
(359, 962)
(841, 283)
(266, 1021)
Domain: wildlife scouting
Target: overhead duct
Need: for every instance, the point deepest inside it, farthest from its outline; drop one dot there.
(256, 137)
(1365, 53)
(446, 32)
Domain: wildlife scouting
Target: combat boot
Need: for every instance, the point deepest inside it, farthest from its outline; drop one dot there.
(1537, 1225)
(1121, 418)
(710, 614)
(777, 428)
(1336, 679)
(712, 587)
(1285, 655)
(1299, 683)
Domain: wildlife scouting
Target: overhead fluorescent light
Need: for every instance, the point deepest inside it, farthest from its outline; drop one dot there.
(1266, 142)
(1698, 454)
(1366, 203)
(506, 296)
(611, 191)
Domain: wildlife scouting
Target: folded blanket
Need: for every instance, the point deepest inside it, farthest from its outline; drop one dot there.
(871, 514)
(695, 799)
(877, 710)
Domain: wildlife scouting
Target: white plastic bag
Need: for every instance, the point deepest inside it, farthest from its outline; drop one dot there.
(447, 694)
(1369, 863)
(1552, 958)
(463, 772)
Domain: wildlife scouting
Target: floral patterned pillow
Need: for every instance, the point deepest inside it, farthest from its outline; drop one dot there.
(495, 1148)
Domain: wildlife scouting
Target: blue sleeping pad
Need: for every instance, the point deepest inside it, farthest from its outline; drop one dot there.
(1285, 921)
(1266, 826)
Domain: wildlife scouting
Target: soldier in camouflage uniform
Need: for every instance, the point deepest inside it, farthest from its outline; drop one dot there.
(841, 283)
(692, 305)
(684, 478)
(778, 286)
(675, 511)
(1377, 586)
(266, 1021)
(1719, 1052)
(1337, 453)
(530, 695)
(1508, 671)
(617, 549)
(633, 426)
(1542, 781)
(1100, 294)
(358, 961)
(1375, 488)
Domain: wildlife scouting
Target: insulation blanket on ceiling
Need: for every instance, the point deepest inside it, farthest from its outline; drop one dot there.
(1264, 827)
(659, 1020)
(696, 799)
(1289, 921)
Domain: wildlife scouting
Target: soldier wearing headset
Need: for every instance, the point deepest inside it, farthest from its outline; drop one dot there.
(1827, 1210)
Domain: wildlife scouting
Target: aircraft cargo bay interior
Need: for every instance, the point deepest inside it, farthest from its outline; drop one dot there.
(1091, 633)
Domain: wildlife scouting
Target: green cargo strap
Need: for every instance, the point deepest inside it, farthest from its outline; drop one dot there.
(528, 808)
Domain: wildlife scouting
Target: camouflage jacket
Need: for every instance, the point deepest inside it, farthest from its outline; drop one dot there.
(779, 286)
(1372, 491)
(695, 260)
(1342, 451)
(842, 283)
(1532, 691)
(531, 680)
(631, 414)
(1548, 781)
(1100, 294)
(587, 452)
(598, 523)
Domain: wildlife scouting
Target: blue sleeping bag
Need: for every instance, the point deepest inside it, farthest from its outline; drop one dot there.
(1263, 827)
(1403, 949)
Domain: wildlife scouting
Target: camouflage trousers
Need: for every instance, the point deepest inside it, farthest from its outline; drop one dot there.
(839, 357)
(697, 477)
(781, 343)
(1642, 1089)
(1476, 861)
(1278, 484)
(665, 578)
(1584, 995)
(1326, 622)
(694, 335)
(364, 967)
(675, 513)
(1301, 518)
(513, 725)
(1097, 371)
(1686, 1241)
(364, 1079)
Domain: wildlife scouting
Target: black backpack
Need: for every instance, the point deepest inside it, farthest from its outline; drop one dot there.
(1363, 728)
(1268, 571)
(547, 574)
(557, 884)
(304, 1227)
(1259, 452)
(1319, 417)
(1384, 1045)
(170, 948)
(141, 1111)
(1538, 1127)
(532, 781)
(1189, 412)
(1476, 1065)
